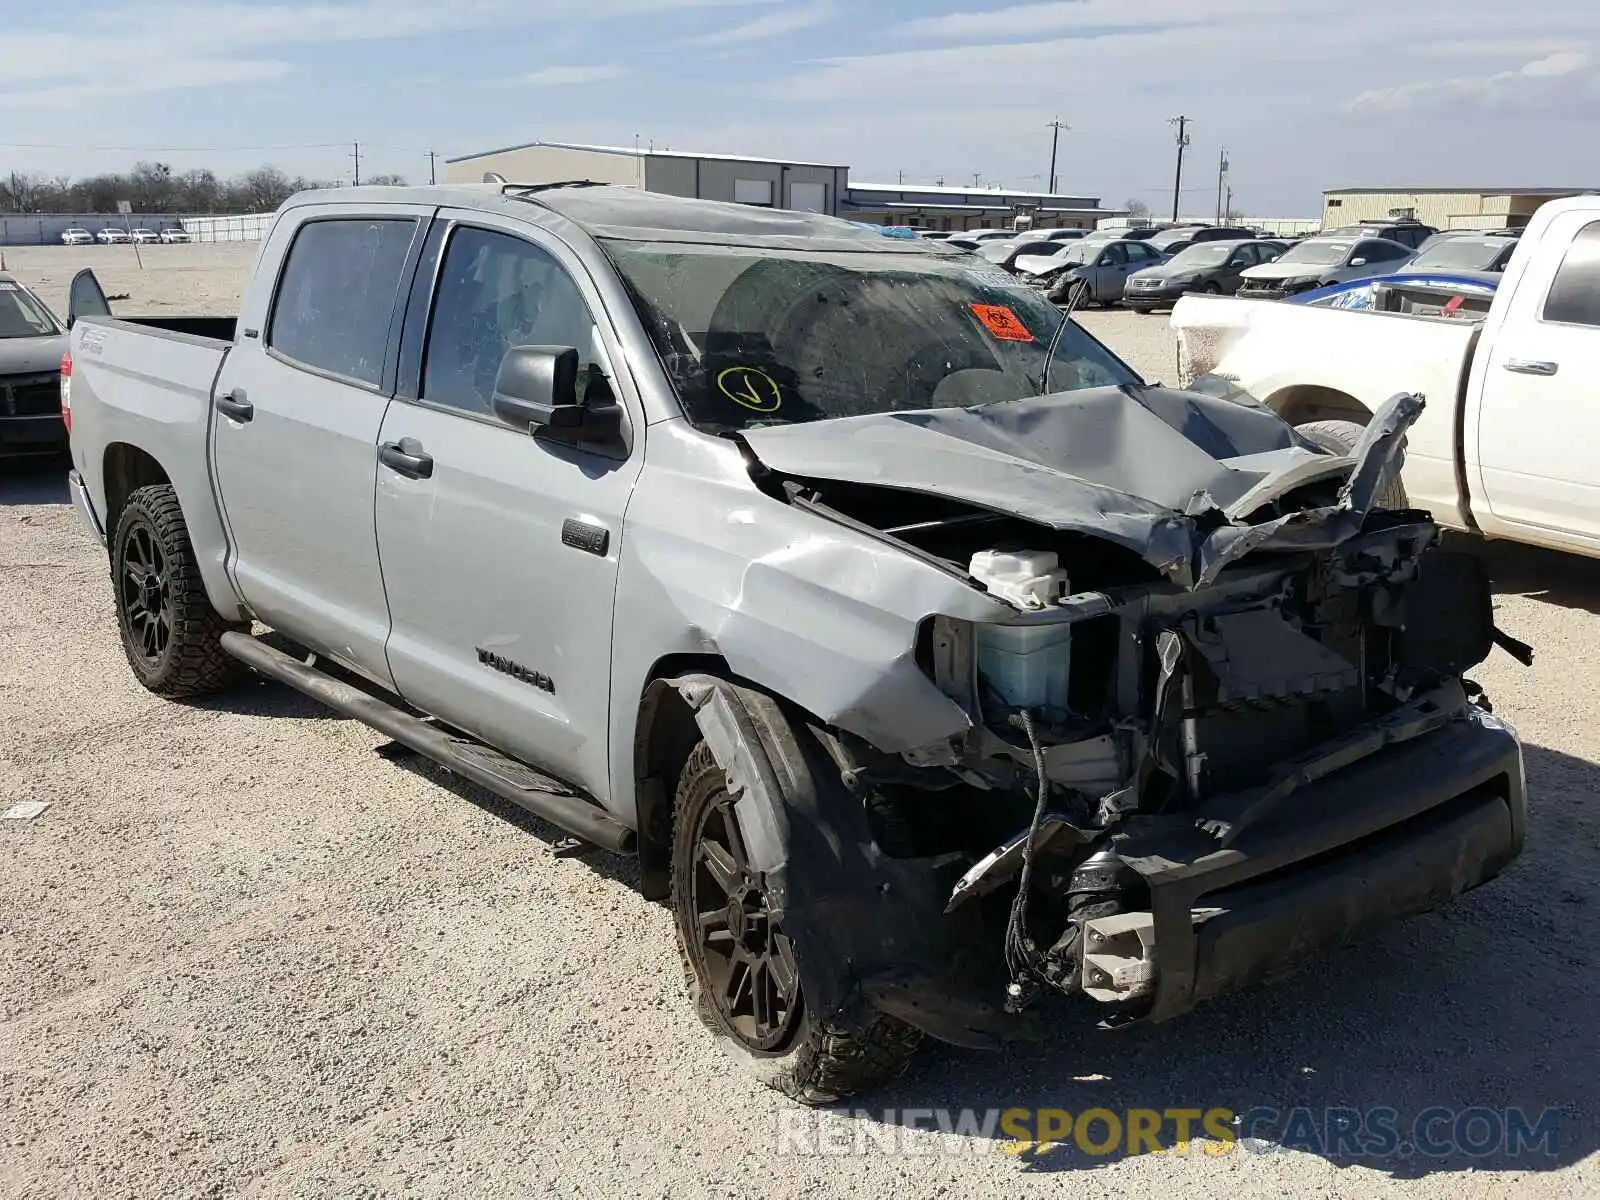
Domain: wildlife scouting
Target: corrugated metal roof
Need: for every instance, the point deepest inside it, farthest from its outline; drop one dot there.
(647, 152)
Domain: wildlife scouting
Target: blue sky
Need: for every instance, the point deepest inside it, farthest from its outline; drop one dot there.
(1304, 94)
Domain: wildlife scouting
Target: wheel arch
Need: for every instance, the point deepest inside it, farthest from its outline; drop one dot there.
(1310, 402)
(125, 468)
(665, 734)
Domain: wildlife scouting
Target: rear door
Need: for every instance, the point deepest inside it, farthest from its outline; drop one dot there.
(1110, 272)
(299, 401)
(1539, 416)
(499, 549)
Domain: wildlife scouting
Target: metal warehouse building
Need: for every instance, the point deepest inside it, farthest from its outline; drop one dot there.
(957, 208)
(776, 183)
(767, 182)
(1443, 208)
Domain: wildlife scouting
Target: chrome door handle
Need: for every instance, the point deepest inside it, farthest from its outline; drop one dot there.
(1531, 366)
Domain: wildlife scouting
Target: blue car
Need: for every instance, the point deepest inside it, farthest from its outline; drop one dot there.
(1475, 286)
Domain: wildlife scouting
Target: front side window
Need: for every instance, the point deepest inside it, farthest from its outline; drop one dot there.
(337, 295)
(752, 337)
(1575, 292)
(495, 292)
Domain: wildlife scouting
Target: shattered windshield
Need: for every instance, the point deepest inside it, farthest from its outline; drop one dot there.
(754, 337)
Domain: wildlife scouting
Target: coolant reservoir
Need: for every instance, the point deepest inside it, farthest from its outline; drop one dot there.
(1027, 666)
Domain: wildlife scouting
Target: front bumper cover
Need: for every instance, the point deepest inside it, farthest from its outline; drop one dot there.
(1397, 834)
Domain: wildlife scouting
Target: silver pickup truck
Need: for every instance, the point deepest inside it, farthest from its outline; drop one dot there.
(943, 676)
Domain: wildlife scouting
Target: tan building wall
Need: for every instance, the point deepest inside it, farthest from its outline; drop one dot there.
(1442, 210)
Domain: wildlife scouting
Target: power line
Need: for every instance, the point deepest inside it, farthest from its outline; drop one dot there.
(170, 149)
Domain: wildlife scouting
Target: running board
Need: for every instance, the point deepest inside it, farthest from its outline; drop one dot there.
(483, 765)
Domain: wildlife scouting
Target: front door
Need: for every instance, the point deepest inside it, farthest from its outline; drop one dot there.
(294, 439)
(500, 553)
(1540, 411)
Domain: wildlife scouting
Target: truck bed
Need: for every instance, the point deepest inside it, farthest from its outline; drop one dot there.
(217, 329)
(146, 383)
(1297, 358)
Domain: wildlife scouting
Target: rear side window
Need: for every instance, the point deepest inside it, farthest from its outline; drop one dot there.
(336, 295)
(1575, 294)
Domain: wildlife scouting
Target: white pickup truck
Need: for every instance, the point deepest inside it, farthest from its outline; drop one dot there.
(1506, 445)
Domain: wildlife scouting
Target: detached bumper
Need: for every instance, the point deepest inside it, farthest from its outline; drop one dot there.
(85, 506)
(1398, 834)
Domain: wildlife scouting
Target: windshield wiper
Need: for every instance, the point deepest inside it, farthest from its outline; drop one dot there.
(1076, 294)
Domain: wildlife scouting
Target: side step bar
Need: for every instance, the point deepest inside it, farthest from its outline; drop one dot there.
(483, 765)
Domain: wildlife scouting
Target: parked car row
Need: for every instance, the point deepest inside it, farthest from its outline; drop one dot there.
(111, 236)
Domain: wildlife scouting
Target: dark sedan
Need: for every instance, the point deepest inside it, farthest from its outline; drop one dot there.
(1205, 267)
(31, 344)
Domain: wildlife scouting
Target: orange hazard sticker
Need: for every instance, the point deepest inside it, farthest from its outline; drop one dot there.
(1002, 322)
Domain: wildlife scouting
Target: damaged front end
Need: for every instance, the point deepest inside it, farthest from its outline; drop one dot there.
(1232, 734)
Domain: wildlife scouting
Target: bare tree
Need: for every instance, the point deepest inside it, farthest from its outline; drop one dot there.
(1136, 208)
(265, 188)
(22, 191)
(388, 180)
(197, 191)
(151, 187)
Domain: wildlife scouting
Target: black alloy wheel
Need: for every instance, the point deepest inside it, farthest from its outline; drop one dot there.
(146, 596)
(746, 960)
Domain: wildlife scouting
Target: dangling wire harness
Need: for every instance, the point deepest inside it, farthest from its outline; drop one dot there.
(1024, 963)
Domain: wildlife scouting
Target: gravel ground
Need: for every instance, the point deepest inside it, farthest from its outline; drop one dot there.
(242, 954)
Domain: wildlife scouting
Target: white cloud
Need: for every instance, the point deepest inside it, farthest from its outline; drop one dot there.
(1023, 20)
(773, 25)
(1533, 82)
(152, 48)
(564, 76)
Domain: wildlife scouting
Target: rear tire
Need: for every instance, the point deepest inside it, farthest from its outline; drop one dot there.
(1341, 437)
(777, 1037)
(170, 633)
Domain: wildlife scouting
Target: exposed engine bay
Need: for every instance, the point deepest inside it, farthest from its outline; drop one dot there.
(1163, 716)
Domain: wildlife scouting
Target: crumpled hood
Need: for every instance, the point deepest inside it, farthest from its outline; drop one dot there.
(1171, 475)
(1290, 270)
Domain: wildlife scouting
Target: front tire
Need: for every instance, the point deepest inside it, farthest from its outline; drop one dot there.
(1341, 437)
(742, 967)
(170, 633)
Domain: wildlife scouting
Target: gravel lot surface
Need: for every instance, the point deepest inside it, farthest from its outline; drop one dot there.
(242, 954)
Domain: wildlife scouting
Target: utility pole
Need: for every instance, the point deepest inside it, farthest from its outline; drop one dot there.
(1228, 211)
(1055, 127)
(433, 175)
(977, 177)
(356, 155)
(1183, 140)
(1222, 178)
(902, 175)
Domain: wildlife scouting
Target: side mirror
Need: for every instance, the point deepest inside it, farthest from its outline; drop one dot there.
(1358, 262)
(537, 390)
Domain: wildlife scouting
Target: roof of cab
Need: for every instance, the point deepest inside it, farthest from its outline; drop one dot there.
(629, 214)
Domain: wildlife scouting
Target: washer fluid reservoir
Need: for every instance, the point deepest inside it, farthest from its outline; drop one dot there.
(1027, 666)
